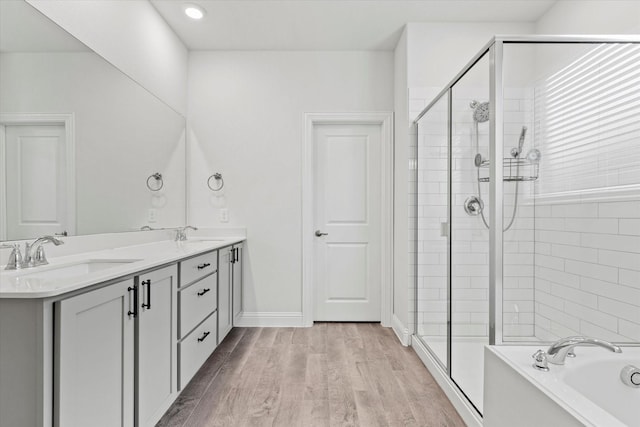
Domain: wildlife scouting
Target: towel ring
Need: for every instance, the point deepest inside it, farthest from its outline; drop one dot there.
(159, 182)
(219, 180)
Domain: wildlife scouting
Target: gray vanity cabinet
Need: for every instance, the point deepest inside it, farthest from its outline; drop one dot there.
(225, 319)
(229, 288)
(198, 304)
(236, 281)
(96, 344)
(117, 352)
(156, 364)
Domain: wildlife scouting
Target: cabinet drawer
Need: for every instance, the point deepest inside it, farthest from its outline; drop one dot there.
(197, 302)
(196, 348)
(194, 268)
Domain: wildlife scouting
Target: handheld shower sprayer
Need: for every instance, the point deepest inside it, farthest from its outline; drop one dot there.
(515, 152)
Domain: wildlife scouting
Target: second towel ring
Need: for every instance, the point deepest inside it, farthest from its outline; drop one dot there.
(219, 181)
(159, 182)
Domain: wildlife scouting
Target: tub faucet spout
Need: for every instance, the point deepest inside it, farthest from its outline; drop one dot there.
(558, 351)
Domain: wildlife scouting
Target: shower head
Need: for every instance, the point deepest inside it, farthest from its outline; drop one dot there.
(516, 151)
(480, 111)
(523, 132)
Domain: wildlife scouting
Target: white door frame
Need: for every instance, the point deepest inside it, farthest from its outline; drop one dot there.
(68, 121)
(385, 120)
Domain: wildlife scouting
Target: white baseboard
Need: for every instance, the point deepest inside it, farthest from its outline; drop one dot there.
(459, 401)
(269, 319)
(402, 332)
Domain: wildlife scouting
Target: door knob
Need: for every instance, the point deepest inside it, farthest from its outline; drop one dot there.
(320, 233)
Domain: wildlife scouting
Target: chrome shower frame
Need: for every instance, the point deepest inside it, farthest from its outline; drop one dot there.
(495, 49)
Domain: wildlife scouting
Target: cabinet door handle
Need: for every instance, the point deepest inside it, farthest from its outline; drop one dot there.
(148, 304)
(205, 265)
(133, 313)
(204, 291)
(204, 336)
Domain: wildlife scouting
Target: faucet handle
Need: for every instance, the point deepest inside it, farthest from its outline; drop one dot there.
(540, 361)
(40, 258)
(15, 258)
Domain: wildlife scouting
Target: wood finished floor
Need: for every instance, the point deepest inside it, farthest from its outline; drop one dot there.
(333, 374)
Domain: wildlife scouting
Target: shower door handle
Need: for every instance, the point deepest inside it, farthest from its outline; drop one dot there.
(320, 233)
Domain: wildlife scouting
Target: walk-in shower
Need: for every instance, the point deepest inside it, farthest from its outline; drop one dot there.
(527, 202)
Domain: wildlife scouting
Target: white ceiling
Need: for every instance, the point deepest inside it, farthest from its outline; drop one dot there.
(328, 24)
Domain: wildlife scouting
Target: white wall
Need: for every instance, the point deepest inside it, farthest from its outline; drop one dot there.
(133, 37)
(591, 17)
(404, 255)
(438, 51)
(246, 115)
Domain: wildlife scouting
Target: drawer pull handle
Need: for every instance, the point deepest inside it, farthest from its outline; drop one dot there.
(204, 336)
(204, 291)
(133, 289)
(148, 304)
(205, 265)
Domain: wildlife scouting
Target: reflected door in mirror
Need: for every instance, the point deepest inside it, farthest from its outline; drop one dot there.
(35, 181)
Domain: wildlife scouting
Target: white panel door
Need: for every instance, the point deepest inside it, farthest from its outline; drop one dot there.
(348, 209)
(95, 379)
(35, 180)
(157, 363)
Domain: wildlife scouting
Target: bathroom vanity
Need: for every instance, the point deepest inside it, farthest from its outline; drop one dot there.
(111, 337)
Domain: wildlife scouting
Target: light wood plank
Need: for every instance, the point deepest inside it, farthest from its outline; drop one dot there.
(334, 374)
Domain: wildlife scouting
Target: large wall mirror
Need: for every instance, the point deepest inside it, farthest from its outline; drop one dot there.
(82, 146)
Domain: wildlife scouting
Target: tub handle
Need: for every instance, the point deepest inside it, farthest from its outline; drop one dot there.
(540, 363)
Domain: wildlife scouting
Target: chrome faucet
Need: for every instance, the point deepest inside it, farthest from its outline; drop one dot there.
(563, 348)
(559, 350)
(181, 232)
(34, 253)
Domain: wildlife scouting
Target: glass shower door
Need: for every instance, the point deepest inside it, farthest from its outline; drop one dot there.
(470, 229)
(432, 213)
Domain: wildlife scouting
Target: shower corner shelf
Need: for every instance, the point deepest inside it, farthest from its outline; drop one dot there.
(515, 169)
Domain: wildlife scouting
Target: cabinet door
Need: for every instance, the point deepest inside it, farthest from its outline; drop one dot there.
(224, 293)
(94, 375)
(237, 282)
(157, 347)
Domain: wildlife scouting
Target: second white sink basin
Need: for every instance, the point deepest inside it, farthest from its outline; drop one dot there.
(75, 269)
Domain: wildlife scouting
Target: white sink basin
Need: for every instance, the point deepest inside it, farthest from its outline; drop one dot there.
(75, 269)
(196, 240)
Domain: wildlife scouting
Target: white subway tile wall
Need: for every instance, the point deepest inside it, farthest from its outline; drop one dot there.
(591, 283)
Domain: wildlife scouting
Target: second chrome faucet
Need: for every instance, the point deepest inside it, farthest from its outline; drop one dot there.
(561, 349)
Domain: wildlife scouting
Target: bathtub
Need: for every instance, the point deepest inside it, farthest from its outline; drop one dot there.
(586, 391)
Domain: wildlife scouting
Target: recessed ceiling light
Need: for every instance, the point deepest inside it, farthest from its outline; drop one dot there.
(194, 11)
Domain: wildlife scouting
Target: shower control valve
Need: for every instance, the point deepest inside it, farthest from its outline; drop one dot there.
(473, 206)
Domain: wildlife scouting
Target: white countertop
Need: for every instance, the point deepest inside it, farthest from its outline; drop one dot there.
(19, 284)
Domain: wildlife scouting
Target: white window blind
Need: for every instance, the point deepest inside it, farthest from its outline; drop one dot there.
(588, 124)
